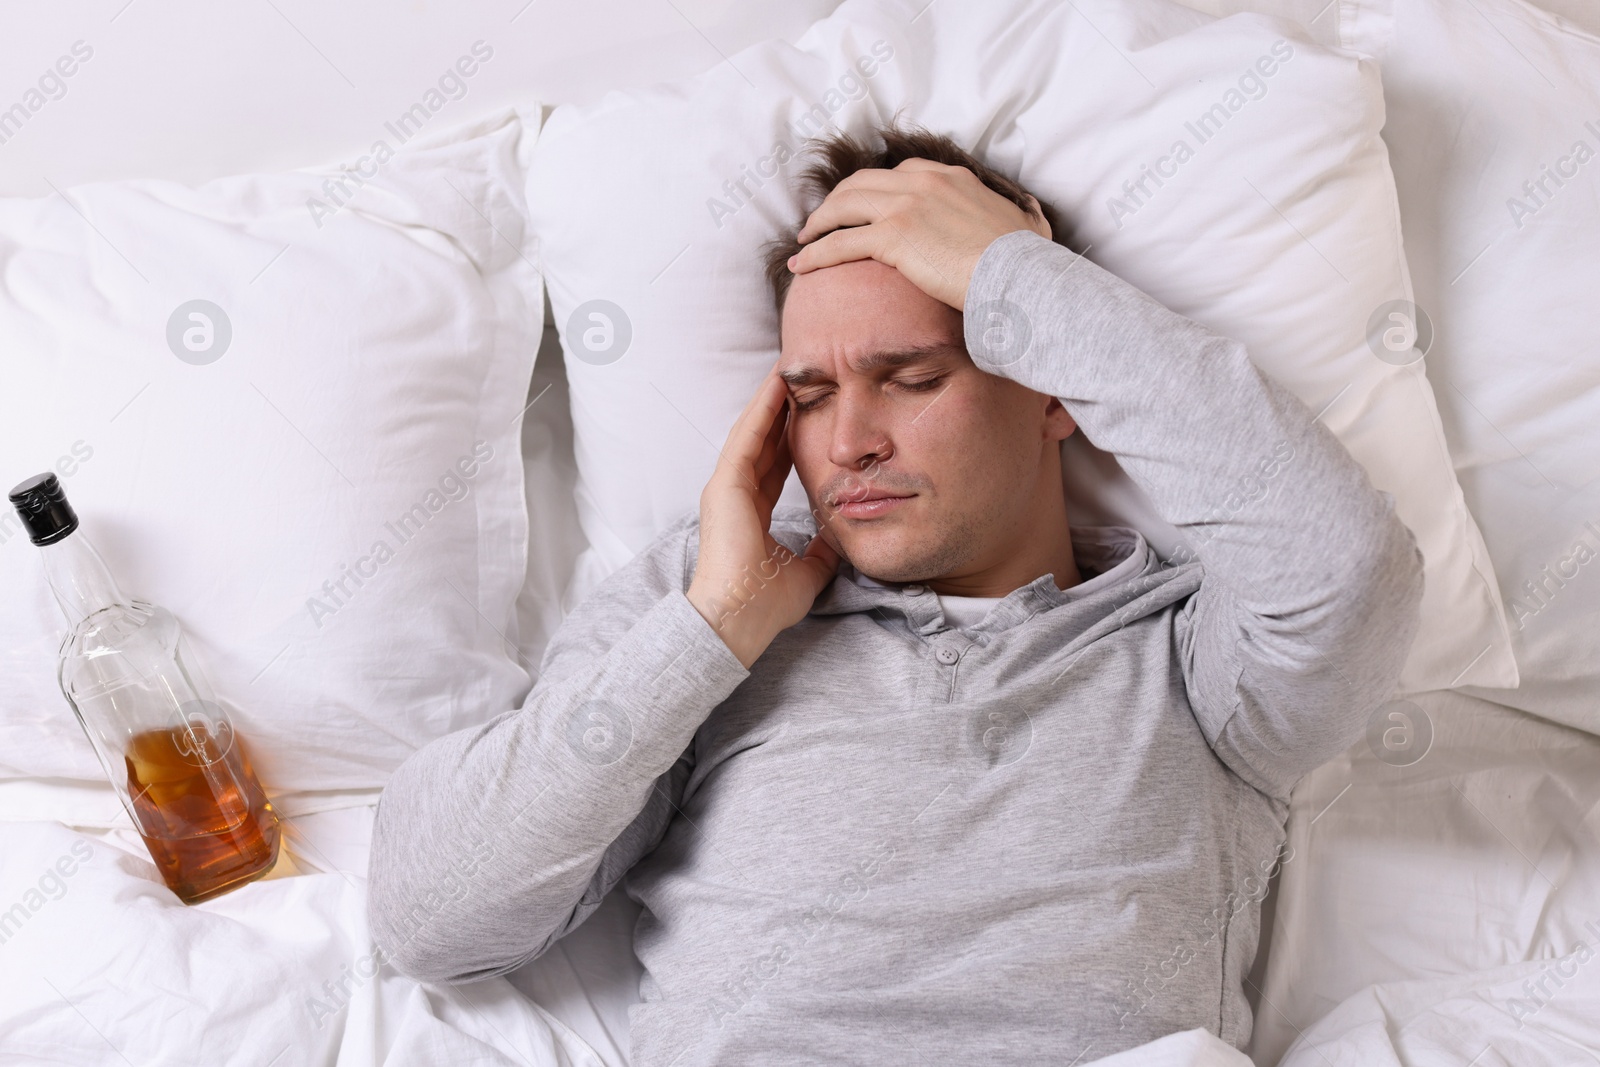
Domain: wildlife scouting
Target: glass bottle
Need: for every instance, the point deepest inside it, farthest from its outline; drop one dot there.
(173, 757)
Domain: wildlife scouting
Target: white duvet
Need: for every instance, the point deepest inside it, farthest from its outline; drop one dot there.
(1543, 1013)
(104, 966)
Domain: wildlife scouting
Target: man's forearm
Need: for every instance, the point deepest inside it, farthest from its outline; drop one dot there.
(486, 839)
(1193, 422)
(1311, 581)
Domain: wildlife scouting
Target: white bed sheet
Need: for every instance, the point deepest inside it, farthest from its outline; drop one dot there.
(1421, 898)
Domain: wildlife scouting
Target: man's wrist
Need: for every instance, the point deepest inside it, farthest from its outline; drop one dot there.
(739, 630)
(998, 330)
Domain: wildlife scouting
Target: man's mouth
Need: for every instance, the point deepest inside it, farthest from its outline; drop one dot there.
(871, 504)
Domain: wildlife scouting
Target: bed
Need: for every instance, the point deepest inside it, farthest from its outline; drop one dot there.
(1438, 903)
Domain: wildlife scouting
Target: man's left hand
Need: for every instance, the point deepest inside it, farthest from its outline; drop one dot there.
(928, 220)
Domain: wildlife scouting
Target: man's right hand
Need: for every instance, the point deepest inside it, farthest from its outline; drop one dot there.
(746, 584)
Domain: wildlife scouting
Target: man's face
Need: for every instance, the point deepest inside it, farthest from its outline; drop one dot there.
(886, 400)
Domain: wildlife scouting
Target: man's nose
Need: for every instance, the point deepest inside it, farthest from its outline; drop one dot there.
(860, 432)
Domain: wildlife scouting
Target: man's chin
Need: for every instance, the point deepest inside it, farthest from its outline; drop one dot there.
(879, 557)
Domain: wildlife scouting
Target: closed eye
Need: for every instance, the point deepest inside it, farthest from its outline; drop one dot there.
(921, 386)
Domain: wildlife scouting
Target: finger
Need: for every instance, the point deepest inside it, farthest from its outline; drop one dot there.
(879, 242)
(772, 434)
(749, 434)
(771, 445)
(865, 196)
(860, 192)
(919, 163)
(844, 214)
(820, 561)
(777, 472)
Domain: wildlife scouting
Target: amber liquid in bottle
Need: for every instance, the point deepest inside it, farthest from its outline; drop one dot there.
(201, 811)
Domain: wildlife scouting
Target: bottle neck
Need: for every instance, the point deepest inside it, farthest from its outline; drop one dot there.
(79, 578)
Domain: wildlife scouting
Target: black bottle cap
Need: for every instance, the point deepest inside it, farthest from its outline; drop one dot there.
(44, 509)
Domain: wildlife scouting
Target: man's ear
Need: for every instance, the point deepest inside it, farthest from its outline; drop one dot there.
(1058, 423)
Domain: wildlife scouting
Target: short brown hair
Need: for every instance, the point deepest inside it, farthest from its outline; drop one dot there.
(841, 155)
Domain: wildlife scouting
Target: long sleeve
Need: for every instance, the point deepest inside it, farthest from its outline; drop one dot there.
(1311, 587)
(493, 842)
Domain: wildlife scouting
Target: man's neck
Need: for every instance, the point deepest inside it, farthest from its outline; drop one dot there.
(1046, 549)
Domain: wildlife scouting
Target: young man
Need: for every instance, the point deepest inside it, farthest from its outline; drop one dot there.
(927, 775)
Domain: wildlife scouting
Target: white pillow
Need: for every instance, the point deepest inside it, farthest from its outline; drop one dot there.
(1279, 229)
(381, 347)
(1483, 99)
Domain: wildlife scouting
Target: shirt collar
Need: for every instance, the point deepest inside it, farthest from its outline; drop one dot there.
(1117, 555)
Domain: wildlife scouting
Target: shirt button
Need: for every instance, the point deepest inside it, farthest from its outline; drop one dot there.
(947, 656)
(913, 590)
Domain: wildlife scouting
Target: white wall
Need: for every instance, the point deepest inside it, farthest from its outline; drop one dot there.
(188, 90)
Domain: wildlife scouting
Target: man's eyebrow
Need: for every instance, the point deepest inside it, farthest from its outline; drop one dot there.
(874, 361)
